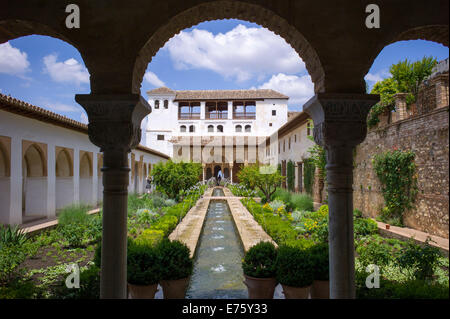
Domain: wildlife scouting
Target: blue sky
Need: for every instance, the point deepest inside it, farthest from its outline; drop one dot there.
(226, 54)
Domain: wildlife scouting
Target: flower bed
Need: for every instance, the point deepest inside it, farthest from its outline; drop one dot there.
(37, 267)
(407, 270)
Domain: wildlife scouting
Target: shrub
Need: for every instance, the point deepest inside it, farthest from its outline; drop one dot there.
(357, 213)
(176, 262)
(89, 286)
(166, 224)
(323, 210)
(276, 205)
(320, 261)
(19, 289)
(301, 202)
(282, 195)
(73, 225)
(150, 237)
(294, 267)
(170, 177)
(364, 227)
(422, 260)
(259, 261)
(396, 171)
(12, 235)
(143, 266)
(372, 251)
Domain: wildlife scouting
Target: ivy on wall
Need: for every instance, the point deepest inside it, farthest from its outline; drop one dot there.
(396, 171)
(291, 176)
(309, 169)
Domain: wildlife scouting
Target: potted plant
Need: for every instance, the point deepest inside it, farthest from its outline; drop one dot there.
(259, 270)
(294, 272)
(176, 266)
(321, 271)
(143, 270)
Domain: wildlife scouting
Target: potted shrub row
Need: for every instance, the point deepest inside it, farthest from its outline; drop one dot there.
(301, 272)
(167, 263)
(259, 270)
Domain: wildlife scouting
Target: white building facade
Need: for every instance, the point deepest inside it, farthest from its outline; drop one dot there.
(47, 162)
(209, 113)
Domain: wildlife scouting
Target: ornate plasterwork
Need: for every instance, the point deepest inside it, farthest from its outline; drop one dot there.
(114, 120)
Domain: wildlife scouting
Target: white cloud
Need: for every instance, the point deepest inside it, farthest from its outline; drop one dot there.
(376, 77)
(58, 107)
(299, 88)
(153, 79)
(13, 61)
(84, 118)
(242, 53)
(69, 71)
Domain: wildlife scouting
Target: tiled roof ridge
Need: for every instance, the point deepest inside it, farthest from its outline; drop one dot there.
(63, 120)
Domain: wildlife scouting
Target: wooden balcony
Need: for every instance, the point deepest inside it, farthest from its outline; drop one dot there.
(189, 116)
(244, 116)
(216, 116)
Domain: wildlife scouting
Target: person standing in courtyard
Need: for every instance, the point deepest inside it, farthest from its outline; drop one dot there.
(219, 176)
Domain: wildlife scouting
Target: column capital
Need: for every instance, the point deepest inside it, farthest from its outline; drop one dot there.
(339, 118)
(114, 119)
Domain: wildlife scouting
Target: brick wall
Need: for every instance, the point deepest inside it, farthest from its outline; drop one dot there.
(425, 131)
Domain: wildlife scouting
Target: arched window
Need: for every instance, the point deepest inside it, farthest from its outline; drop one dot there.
(182, 128)
(210, 128)
(156, 104)
(238, 128)
(166, 104)
(248, 128)
(220, 128)
(192, 129)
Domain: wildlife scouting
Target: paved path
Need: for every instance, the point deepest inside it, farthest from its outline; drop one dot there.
(47, 223)
(250, 232)
(190, 228)
(405, 233)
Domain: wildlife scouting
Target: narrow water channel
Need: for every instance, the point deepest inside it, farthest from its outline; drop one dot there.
(217, 268)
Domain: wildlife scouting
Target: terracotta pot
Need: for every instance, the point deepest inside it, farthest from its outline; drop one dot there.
(260, 288)
(296, 292)
(388, 226)
(142, 291)
(320, 289)
(175, 289)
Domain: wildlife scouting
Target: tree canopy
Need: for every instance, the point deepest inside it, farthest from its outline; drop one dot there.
(170, 178)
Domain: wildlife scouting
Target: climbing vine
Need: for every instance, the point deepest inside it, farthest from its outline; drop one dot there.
(309, 169)
(290, 175)
(396, 171)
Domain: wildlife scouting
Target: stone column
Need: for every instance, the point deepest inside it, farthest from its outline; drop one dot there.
(231, 172)
(230, 110)
(202, 110)
(400, 104)
(203, 172)
(114, 126)
(340, 125)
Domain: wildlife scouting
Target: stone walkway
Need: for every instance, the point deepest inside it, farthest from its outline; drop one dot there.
(405, 233)
(190, 228)
(46, 223)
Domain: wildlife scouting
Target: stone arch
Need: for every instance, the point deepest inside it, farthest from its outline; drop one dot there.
(208, 173)
(34, 161)
(85, 165)
(99, 174)
(64, 167)
(64, 177)
(219, 10)
(34, 181)
(17, 28)
(86, 178)
(4, 161)
(434, 33)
